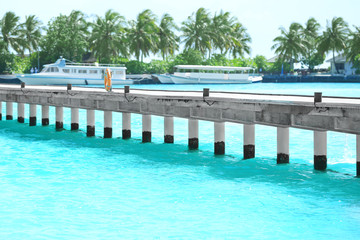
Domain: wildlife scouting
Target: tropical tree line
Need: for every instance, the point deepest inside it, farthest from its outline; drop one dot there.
(308, 45)
(110, 38)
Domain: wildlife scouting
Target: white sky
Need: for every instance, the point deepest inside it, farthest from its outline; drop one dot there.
(262, 18)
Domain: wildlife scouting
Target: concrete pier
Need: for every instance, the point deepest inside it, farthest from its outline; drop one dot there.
(74, 119)
(219, 138)
(320, 150)
(45, 115)
(107, 124)
(32, 118)
(21, 112)
(169, 129)
(126, 125)
(59, 118)
(146, 128)
(9, 110)
(249, 141)
(283, 145)
(193, 135)
(90, 126)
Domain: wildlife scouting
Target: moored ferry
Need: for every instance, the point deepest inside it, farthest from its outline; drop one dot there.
(193, 74)
(64, 72)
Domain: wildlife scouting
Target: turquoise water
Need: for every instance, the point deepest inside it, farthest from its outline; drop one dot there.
(62, 185)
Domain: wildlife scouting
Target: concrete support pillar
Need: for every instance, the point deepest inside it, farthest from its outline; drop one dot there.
(219, 138)
(74, 119)
(283, 145)
(320, 150)
(45, 115)
(21, 112)
(193, 127)
(32, 118)
(146, 128)
(59, 118)
(169, 129)
(0, 111)
(249, 141)
(107, 124)
(126, 125)
(9, 111)
(357, 155)
(90, 128)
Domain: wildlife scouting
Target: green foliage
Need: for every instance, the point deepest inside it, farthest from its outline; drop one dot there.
(66, 36)
(314, 60)
(21, 65)
(6, 59)
(261, 63)
(276, 67)
(136, 67)
(217, 60)
(356, 64)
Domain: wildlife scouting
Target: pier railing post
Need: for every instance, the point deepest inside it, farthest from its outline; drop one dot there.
(169, 129)
(219, 138)
(126, 125)
(193, 135)
(90, 127)
(32, 119)
(59, 118)
(146, 128)
(320, 150)
(45, 115)
(74, 119)
(9, 111)
(107, 124)
(21, 112)
(249, 141)
(282, 145)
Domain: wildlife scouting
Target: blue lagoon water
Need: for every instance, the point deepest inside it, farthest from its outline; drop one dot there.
(62, 185)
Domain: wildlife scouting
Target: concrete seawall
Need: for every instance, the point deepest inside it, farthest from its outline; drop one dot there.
(311, 79)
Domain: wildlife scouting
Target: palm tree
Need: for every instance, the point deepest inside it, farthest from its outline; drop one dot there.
(334, 37)
(290, 45)
(353, 49)
(240, 39)
(168, 41)
(222, 27)
(143, 35)
(197, 32)
(107, 38)
(10, 30)
(30, 32)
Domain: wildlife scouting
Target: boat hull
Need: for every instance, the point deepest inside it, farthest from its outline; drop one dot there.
(190, 80)
(37, 79)
(165, 79)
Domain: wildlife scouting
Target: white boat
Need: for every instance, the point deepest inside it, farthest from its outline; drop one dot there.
(63, 72)
(193, 74)
(164, 78)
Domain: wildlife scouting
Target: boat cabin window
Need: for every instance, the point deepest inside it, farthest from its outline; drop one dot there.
(66, 70)
(82, 71)
(93, 71)
(52, 69)
(119, 72)
(73, 70)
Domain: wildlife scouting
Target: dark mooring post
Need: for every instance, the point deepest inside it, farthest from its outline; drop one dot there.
(32, 119)
(320, 150)
(74, 119)
(146, 128)
(9, 111)
(107, 124)
(282, 145)
(249, 141)
(169, 129)
(90, 127)
(126, 125)
(193, 134)
(21, 112)
(0, 111)
(45, 115)
(358, 155)
(59, 118)
(219, 138)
